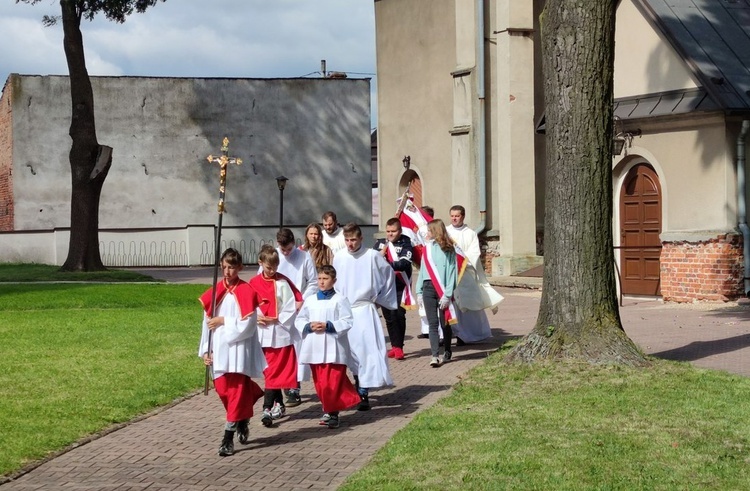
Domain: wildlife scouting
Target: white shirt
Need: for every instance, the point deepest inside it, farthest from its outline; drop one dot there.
(335, 240)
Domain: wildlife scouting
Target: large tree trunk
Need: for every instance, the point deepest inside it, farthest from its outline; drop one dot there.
(87, 176)
(578, 316)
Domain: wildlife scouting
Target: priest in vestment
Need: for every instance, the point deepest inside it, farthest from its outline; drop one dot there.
(473, 293)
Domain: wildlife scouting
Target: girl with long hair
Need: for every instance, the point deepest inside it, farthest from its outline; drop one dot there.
(321, 254)
(435, 283)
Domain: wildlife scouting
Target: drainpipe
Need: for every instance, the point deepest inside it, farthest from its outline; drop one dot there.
(741, 204)
(481, 130)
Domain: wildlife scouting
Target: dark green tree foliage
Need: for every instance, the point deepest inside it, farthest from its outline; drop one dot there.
(578, 316)
(89, 161)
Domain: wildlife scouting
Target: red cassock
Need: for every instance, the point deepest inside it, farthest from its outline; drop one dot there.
(335, 391)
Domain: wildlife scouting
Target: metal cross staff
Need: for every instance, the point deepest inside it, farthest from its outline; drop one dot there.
(223, 162)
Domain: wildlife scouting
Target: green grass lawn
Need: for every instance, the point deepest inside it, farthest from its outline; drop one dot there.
(14, 272)
(570, 427)
(77, 358)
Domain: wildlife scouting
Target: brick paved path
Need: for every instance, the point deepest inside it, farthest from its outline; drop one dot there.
(175, 449)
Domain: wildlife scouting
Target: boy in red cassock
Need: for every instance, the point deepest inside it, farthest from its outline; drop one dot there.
(276, 297)
(235, 352)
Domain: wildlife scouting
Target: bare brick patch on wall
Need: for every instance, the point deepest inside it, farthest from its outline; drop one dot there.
(707, 270)
(6, 159)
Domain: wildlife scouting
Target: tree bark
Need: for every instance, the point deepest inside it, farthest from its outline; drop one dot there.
(87, 178)
(578, 316)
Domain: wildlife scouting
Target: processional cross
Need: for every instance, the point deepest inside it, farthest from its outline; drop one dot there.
(224, 160)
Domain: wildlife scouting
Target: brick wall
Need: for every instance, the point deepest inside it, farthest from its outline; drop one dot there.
(6, 159)
(711, 270)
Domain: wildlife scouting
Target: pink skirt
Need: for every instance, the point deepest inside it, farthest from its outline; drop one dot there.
(281, 372)
(335, 391)
(238, 393)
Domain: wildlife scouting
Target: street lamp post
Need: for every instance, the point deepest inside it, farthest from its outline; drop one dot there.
(281, 182)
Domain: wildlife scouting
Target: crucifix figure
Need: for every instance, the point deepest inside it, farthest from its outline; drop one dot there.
(224, 160)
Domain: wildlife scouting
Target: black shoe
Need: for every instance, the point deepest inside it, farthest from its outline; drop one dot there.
(227, 444)
(292, 398)
(333, 421)
(266, 419)
(460, 342)
(447, 356)
(364, 403)
(243, 432)
(423, 336)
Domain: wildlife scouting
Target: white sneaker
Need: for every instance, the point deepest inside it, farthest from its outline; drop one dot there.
(278, 411)
(435, 362)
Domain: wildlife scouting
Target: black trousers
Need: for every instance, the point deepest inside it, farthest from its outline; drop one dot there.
(395, 322)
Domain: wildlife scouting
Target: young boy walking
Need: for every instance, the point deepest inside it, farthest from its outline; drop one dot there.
(275, 296)
(366, 280)
(323, 322)
(235, 354)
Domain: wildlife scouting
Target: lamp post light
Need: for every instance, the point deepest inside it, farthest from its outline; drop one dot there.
(281, 182)
(407, 162)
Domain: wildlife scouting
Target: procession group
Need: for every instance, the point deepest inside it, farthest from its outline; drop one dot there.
(312, 311)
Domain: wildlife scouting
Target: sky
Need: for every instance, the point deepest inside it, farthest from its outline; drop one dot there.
(201, 38)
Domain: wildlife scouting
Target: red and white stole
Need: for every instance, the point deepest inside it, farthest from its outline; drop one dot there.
(241, 291)
(265, 289)
(429, 262)
(407, 300)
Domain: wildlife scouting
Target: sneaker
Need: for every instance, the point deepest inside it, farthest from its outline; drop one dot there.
(435, 362)
(243, 432)
(333, 422)
(227, 444)
(292, 398)
(391, 353)
(324, 419)
(267, 418)
(278, 411)
(447, 356)
(398, 353)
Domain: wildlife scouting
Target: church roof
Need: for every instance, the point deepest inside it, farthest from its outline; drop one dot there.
(713, 38)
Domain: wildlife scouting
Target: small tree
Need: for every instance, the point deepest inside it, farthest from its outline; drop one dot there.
(89, 161)
(578, 316)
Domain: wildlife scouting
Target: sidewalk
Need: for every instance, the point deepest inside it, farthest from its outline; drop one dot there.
(175, 449)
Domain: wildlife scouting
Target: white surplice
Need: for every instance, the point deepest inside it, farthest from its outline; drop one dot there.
(365, 278)
(325, 347)
(235, 344)
(299, 267)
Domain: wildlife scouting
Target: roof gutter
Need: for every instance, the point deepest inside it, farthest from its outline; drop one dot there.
(741, 203)
(481, 140)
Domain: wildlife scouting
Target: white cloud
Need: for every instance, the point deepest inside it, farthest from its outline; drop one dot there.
(197, 38)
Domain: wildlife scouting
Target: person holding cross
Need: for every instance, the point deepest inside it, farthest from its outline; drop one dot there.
(235, 354)
(396, 248)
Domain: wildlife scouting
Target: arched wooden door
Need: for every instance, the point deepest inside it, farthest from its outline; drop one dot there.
(640, 226)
